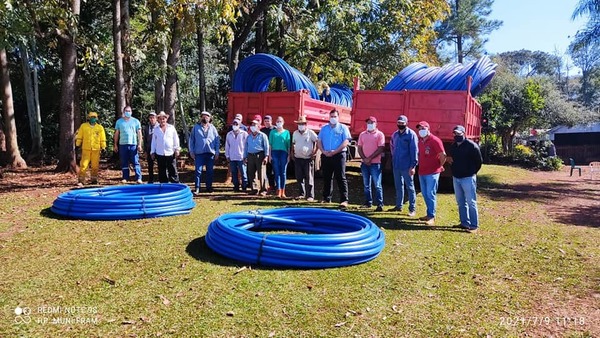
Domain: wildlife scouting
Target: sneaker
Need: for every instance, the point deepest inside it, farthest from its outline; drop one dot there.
(139, 181)
(424, 218)
(430, 221)
(461, 226)
(310, 199)
(263, 193)
(366, 206)
(124, 181)
(395, 209)
(412, 214)
(325, 201)
(379, 208)
(344, 205)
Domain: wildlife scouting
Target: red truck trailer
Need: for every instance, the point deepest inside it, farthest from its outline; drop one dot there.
(443, 109)
(289, 105)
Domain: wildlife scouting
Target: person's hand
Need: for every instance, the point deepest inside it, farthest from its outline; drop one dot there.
(193, 156)
(411, 171)
(139, 149)
(449, 160)
(116, 148)
(245, 161)
(153, 156)
(443, 169)
(267, 159)
(367, 161)
(216, 157)
(176, 153)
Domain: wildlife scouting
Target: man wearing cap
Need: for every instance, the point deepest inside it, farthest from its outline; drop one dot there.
(256, 155)
(128, 144)
(165, 149)
(204, 143)
(147, 133)
(333, 140)
(240, 118)
(404, 150)
(304, 148)
(371, 144)
(431, 163)
(92, 139)
(268, 127)
(465, 160)
(235, 142)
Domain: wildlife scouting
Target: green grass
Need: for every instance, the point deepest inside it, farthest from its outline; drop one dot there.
(428, 281)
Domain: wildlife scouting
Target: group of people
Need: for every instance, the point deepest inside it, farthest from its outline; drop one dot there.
(258, 156)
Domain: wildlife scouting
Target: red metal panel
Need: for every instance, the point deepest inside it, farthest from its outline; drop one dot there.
(386, 106)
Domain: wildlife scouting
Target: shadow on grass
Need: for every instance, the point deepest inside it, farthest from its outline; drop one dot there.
(199, 250)
(47, 213)
(581, 210)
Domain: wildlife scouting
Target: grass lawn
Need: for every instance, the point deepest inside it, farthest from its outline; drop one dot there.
(530, 271)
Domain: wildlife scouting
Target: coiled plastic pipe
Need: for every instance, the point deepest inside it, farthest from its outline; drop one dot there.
(125, 202)
(331, 238)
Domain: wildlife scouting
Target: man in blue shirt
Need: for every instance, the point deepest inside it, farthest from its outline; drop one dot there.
(256, 155)
(128, 143)
(333, 140)
(204, 146)
(404, 149)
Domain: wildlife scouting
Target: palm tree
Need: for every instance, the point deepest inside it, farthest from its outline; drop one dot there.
(591, 32)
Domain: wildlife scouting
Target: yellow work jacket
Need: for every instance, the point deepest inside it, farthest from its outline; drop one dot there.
(91, 137)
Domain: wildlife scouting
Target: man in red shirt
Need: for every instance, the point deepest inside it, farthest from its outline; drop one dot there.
(431, 163)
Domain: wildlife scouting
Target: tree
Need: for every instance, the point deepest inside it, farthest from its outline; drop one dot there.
(527, 63)
(591, 33)
(13, 154)
(120, 88)
(467, 26)
(587, 57)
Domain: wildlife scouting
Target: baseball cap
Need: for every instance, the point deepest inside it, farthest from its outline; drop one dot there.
(255, 122)
(257, 117)
(459, 129)
(268, 117)
(151, 113)
(371, 119)
(205, 113)
(92, 114)
(423, 124)
(403, 119)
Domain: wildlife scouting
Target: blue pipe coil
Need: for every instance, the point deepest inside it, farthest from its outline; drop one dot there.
(125, 202)
(331, 238)
(255, 73)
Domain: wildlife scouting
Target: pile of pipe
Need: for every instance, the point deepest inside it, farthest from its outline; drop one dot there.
(449, 77)
(254, 74)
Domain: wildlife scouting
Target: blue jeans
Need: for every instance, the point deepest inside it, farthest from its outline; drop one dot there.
(236, 168)
(372, 172)
(279, 160)
(128, 154)
(429, 187)
(201, 160)
(465, 190)
(403, 179)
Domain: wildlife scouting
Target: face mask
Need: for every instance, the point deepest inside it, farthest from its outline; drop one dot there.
(301, 127)
(93, 120)
(235, 128)
(423, 133)
(370, 126)
(254, 129)
(401, 128)
(459, 138)
(279, 124)
(127, 113)
(333, 120)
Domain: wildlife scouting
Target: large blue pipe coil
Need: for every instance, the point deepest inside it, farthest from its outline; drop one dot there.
(125, 202)
(255, 73)
(330, 238)
(449, 77)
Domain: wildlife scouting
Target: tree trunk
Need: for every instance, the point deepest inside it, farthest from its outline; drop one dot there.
(33, 109)
(118, 52)
(459, 40)
(68, 56)
(13, 156)
(201, 70)
(160, 54)
(172, 62)
(280, 52)
(126, 49)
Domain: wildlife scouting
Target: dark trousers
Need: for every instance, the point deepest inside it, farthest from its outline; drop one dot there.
(270, 175)
(167, 169)
(151, 163)
(305, 175)
(334, 166)
(255, 167)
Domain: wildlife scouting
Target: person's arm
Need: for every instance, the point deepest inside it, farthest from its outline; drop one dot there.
(288, 144)
(227, 146)
(315, 140)
(153, 145)
(176, 145)
(192, 143)
(217, 143)
(361, 153)
(441, 153)
(477, 158)
(292, 150)
(346, 141)
(102, 138)
(380, 146)
(267, 148)
(116, 141)
(413, 150)
(139, 138)
(78, 137)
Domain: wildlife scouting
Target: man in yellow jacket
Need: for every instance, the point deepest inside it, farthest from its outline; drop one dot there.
(92, 139)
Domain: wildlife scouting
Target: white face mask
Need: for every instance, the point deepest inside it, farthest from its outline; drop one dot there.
(371, 126)
(423, 132)
(254, 129)
(333, 120)
(235, 128)
(279, 124)
(301, 127)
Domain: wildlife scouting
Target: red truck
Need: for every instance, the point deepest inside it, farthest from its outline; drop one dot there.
(443, 109)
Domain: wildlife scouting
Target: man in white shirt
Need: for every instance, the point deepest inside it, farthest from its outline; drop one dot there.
(303, 151)
(165, 148)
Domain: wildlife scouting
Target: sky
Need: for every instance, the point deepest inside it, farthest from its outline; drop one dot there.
(543, 25)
